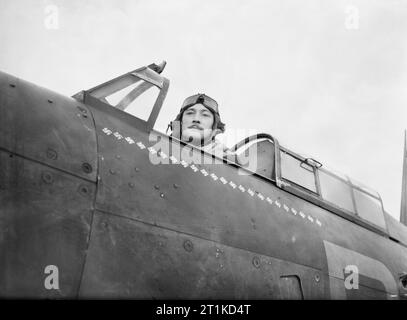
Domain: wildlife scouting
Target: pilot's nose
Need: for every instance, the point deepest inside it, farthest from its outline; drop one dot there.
(196, 119)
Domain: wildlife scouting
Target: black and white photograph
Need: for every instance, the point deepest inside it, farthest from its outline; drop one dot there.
(191, 150)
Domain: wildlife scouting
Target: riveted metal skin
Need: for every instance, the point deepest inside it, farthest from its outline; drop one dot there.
(172, 267)
(201, 209)
(256, 262)
(87, 168)
(83, 110)
(47, 193)
(188, 246)
(52, 154)
(37, 124)
(47, 177)
(84, 190)
(40, 227)
(175, 269)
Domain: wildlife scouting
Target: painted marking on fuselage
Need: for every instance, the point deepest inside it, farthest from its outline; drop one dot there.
(339, 258)
(141, 145)
(118, 135)
(232, 184)
(107, 131)
(129, 140)
(174, 160)
(152, 150)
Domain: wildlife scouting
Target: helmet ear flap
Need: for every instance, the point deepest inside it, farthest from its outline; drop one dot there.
(219, 126)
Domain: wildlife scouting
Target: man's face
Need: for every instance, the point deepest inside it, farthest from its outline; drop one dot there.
(197, 122)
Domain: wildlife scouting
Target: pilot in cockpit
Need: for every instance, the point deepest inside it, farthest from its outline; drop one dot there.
(198, 123)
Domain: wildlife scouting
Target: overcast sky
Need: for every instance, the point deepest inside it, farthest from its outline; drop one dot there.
(327, 78)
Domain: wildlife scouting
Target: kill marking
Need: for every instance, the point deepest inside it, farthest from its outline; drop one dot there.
(108, 132)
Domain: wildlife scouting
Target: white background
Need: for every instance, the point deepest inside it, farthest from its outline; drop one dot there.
(327, 78)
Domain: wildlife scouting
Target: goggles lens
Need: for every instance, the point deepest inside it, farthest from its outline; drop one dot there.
(201, 98)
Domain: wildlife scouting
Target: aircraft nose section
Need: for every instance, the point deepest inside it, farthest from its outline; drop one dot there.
(43, 126)
(48, 169)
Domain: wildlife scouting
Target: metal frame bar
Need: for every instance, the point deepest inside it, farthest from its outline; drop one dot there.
(277, 158)
(150, 78)
(302, 160)
(133, 95)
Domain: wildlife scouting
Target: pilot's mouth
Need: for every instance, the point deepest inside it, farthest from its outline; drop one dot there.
(194, 126)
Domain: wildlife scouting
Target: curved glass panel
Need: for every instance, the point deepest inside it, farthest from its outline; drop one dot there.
(336, 191)
(295, 170)
(365, 188)
(369, 208)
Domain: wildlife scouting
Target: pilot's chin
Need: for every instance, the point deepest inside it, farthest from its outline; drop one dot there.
(192, 137)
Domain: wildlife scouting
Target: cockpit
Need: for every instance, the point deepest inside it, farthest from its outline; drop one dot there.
(310, 180)
(261, 155)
